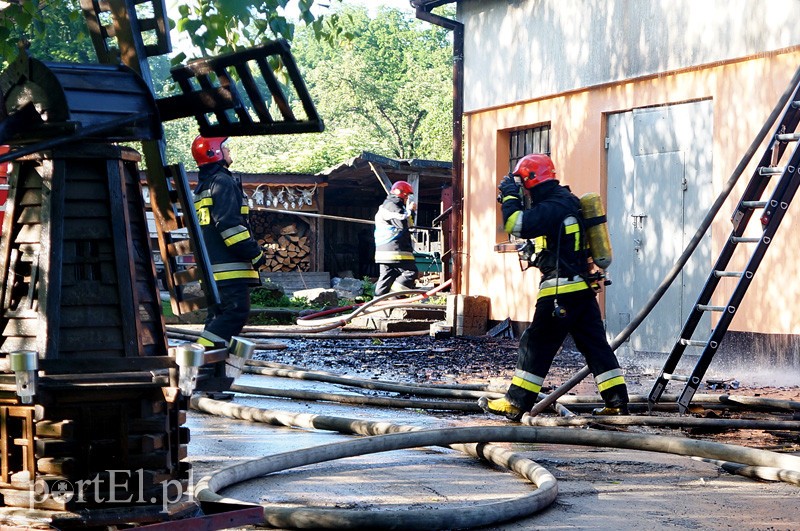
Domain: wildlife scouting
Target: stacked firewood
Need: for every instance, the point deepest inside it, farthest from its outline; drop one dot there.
(285, 239)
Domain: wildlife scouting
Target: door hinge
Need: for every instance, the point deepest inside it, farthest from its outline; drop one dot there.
(607, 142)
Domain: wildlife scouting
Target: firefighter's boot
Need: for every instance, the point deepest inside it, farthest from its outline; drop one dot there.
(609, 411)
(500, 406)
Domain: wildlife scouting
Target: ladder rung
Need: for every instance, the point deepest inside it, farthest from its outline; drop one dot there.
(186, 276)
(706, 308)
(693, 342)
(676, 377)
(180, 247)
(770, 170)
(754, 204)
(728, 273)
(742, 239)
(788, 137)
(193, 304)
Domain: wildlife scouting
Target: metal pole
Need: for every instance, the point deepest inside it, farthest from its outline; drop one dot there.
(313, 215)
(328, 216)
(423, 13)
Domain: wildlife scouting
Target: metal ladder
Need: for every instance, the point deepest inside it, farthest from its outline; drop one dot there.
(785, 180)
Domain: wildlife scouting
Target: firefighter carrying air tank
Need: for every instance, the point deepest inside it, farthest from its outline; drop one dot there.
(566, 301)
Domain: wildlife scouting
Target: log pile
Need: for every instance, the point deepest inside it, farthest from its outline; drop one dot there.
(287, 241)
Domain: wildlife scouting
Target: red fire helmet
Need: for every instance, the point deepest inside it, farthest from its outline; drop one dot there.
(208, 150)
(535, 169)
(401, 188)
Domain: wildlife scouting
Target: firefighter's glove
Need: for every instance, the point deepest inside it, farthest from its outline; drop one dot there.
(259, 261)
(509, 189)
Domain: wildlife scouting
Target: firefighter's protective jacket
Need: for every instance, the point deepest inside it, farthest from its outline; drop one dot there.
(222, 212)
(392, 235)
(555, 224)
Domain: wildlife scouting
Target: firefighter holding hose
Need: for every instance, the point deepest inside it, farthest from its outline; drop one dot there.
(566, 302)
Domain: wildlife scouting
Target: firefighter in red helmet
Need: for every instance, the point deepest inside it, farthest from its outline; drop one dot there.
(223, 211)
(566, 302)
(394, 251)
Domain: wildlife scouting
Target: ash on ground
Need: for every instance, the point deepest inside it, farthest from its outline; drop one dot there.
(420, 359)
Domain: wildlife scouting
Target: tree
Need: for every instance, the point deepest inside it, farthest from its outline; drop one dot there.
(212, 26)
(384, 87)
(381, 85)
(393, 78)
(66, 38)
(227, 25)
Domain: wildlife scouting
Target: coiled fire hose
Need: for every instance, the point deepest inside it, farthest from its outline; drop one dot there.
(782, 467)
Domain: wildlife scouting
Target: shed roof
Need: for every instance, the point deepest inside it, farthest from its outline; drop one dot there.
(357, 179)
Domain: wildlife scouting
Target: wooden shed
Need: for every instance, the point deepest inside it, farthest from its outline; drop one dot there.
(324, 222)
(356, 188)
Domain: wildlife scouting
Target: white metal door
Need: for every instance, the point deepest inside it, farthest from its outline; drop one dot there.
(659, 189)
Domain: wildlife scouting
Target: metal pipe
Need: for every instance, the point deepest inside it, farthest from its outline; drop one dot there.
(423, 13)
(429, 405)
(378, 385)
(311, 375)
(329, 216)
(313, 215)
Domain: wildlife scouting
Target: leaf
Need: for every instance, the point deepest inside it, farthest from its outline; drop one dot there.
(233, 8)
(178, 59)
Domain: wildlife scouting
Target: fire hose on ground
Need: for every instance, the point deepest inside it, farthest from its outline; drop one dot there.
(760, 464)
(564, 408)
(317, 323)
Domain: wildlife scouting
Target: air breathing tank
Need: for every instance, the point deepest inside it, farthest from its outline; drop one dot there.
(597, 229)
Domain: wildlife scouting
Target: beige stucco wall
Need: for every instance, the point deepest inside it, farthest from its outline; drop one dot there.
(522, 49)
(743, 94)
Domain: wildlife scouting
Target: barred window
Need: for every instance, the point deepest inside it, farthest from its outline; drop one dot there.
(527, 141)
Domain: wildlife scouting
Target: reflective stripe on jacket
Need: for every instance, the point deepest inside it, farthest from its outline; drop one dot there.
(222, 212)
(392, 232)
(554, 223)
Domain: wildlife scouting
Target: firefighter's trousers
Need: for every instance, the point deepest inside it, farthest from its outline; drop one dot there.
(542, 340)
(229, 317)
(394, 277)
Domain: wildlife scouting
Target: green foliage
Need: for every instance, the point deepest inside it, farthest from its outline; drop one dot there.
(369, 288)
(58, 32)
(392, 81)
(381, 85)
(268, 298)
(269, 320)
(440, 300)
(229, 25)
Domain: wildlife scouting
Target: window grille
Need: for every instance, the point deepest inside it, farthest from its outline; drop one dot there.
(527, 141)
